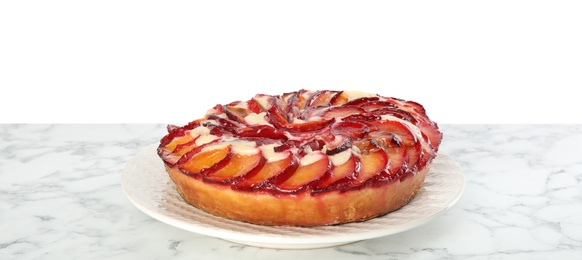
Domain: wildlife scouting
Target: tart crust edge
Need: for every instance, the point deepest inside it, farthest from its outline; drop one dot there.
(301, 209)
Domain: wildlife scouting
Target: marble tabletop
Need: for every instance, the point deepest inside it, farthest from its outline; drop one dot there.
(60, 198)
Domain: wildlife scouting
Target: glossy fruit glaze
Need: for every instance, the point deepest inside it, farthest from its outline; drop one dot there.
(304, 141)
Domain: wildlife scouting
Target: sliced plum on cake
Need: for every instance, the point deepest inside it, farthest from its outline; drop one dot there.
(312, 168)
(373, 162)
(344, 169)
(276, 164)
(244, 158)
(341, 112)
(205, 158)
(403, 133)
(322, 98)
(317, 141)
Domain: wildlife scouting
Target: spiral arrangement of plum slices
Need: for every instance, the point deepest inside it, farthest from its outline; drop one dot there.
(304, 141)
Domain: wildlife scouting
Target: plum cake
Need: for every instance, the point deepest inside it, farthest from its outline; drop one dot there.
(304, 158)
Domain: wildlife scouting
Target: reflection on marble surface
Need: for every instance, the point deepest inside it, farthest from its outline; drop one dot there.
(60, 198)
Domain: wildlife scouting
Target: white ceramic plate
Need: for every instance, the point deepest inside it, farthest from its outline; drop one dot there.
(149, 188)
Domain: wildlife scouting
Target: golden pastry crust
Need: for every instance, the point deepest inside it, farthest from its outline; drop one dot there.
(301, 209)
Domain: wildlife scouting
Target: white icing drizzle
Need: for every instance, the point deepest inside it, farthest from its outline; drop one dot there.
(351, 95)
(263, 101)
(311, 157)
(298, 121)
(244, 105)
(238, 147)
(341, 158)
(244, 147)
(315, 118)
(257, 119)
(202, 135)
(198, 131)
(269, 153)
(205, 139)
(214, 147)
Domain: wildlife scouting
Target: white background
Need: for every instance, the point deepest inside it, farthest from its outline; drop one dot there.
(169, 61)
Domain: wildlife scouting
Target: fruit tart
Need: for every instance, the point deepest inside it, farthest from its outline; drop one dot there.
(304, 158)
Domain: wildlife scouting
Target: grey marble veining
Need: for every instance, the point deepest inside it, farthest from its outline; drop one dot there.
(60, 198)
